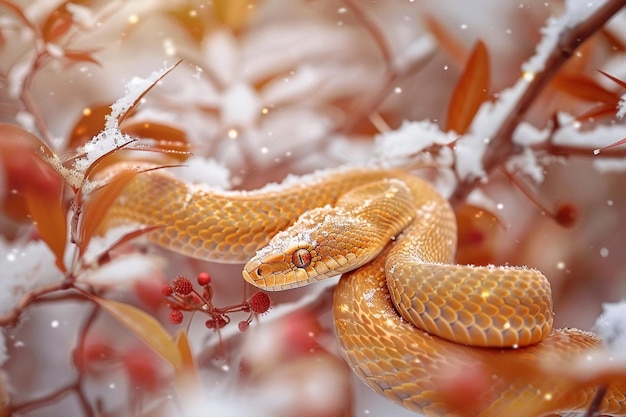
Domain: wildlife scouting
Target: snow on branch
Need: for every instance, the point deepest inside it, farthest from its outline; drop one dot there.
(111, 137)
(576, 11)
(489, 142)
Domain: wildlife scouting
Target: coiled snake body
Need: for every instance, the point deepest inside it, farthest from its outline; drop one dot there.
(493, 324)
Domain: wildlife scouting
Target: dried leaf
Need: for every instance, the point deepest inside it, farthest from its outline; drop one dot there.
(184, 350)
(603, 110)
(98, 205)
(24, 170)
(614, 79)
(107, 156)
(57, 24)
(584, 88)
(448, 43)
(614, 40)
(81, 56)
(146, 327)
(47, 210)
(613, 145)
(168, 139)
(187, 380)
(471, 91)
(88, 125)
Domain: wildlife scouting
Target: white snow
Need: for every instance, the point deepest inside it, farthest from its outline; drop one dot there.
(576, 11)
(81, 15)
(621, 107)
(240, 106)
(134, 89)
(611, 327)
(24, 268)
(599, 137)
(526, 163)
(208, 172)
(410, 139)
(123, 271)
(470, 148)
(111, 137)
(528, 135)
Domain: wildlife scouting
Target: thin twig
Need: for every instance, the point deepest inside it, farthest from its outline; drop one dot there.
(501, 146)
(594, 407)
(11, 317)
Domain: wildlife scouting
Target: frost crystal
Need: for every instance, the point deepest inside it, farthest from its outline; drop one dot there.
(621, 107)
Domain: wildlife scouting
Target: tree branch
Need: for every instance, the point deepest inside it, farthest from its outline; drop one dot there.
(501, 146)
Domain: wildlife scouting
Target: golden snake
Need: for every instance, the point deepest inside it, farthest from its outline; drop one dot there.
(346, 218)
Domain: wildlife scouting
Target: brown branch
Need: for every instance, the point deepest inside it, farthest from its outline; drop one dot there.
(501, 146)
(11, 317)
(569, 151)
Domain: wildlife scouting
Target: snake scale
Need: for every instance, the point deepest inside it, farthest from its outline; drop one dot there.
(393, 237)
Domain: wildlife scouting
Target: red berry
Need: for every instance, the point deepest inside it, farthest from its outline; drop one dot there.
(259, 302)
(176, 316)
(166, 290)
(243, 325)
(566, 215)
(221, 322)
(210, 324)
(182, 285)
(204, 278)
(142, 370)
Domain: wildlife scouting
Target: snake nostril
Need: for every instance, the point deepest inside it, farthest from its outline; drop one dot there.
(263, 270)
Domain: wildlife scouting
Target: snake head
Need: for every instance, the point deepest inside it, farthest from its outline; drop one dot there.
(324, 242)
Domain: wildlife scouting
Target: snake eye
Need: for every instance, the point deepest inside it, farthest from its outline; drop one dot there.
(301, 258)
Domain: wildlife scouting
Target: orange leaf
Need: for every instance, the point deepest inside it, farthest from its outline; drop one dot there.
(448, 43)
(57, 24)
(613, 145)
(89, 125)
(144, 326)
(603, 110)
(471, 90)
(25, 171)
(187, 381)
(184, 350)
(168, 139)
(614, 79)
(81, 56)
(98, 205)
(584, 88)
(47, 209)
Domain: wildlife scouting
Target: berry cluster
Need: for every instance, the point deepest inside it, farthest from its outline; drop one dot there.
(183, 296)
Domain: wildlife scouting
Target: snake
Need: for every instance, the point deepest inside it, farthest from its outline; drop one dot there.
(411, 323)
